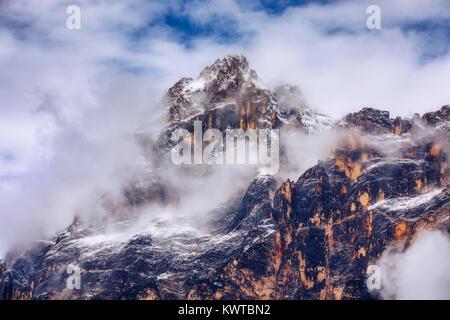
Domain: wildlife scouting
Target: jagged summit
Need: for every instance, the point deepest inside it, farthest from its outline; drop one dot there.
(229, 66)
(217, 83)
(228, 94)
(438, 117)
(376, 121)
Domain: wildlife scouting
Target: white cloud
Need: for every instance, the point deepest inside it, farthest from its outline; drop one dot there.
(421, 272)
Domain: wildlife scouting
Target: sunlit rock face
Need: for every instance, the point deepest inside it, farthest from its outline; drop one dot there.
(312, 237)
(338, 218)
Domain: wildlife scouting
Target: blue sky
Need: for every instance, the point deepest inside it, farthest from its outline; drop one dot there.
(225, 28)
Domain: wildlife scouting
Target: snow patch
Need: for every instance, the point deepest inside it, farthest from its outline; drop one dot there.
(394, 161)
(194, 85)
(404, 203)
(164, 276)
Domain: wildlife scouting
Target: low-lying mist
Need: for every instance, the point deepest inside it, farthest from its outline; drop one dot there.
(89, 157)
(420, 272)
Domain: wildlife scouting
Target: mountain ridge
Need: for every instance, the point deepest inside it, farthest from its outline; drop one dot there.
(385, 181)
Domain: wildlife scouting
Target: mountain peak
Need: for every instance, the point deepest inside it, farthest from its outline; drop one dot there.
(229, 65)
(228, 94)
(218, 83)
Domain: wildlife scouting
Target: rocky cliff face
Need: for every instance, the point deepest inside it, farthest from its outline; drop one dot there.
(313, 238)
